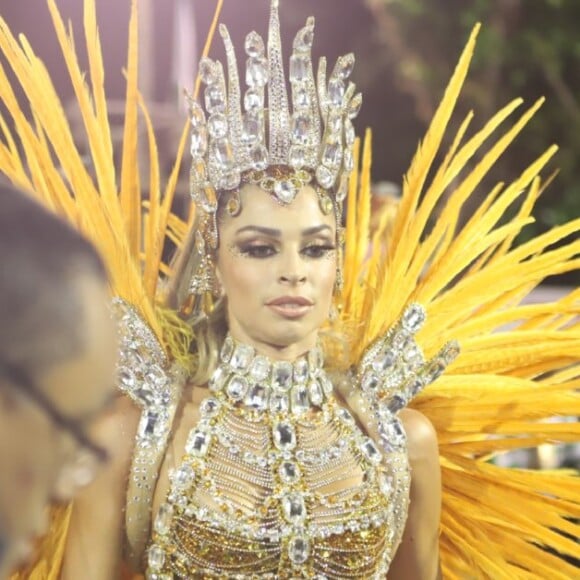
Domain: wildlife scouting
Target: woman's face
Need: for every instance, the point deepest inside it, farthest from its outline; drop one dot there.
(277, 267)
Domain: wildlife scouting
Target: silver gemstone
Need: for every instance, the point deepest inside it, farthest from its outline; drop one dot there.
(217, 125)
(301, 128)
(163, 519)
(198, 443)
(156, 557)
(299, 549)
(301, 98)
(396, 403)
(253, 127)
(348, 160)
(254, 45)
(260, 368)
(354, 106)
(384, 361)
(209, 407)
(304, 39)
(413, 317)
(259, 157)
(345, 65)
(222, 151)
(349, 133)
(217, 380)
(207, 71)
(336, 90)
(392, 434)
(332, 153)
(325, 176)
(300, 370)
(294, 508)
(315, 359)
(183, 476)
(315, 392)
(257, 397)
(256, 71)
(299, 399)
(227, 349)
(334, 123)
(385, 484)
(284, 436)
(289, 472)
(326, 384)
(299, 67)
(282, 375)
(242, 357)
(215, 99)
(371, 451)
(370, 382)
(415, 386)
(345, 417)
(196, 115)
(230, 179)
(237, 388)
(253, 99)
(152, 425)
(279, 403)
(450, 352)
(198, 147)
(297, 157)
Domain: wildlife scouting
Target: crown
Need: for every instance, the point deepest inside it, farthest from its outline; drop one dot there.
(240, 139)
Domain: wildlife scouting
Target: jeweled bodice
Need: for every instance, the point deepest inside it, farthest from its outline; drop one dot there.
(278, 481)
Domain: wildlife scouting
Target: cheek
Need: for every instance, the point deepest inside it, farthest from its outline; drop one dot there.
(241, 278)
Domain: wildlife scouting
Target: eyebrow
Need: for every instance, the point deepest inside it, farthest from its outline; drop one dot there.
(277, 233)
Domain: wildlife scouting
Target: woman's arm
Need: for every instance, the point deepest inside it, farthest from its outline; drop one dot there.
(418, 554)
(96, 532)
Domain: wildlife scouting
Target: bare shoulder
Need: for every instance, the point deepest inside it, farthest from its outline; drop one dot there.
(421, 436)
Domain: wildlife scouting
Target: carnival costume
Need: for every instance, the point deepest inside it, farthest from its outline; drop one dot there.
(320, 499)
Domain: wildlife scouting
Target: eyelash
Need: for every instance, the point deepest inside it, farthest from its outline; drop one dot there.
(263, 251)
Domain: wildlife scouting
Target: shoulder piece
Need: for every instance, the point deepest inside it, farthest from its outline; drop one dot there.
(146, 376)
(393, 370)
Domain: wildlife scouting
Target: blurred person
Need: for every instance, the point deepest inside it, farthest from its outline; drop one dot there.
(57, 358)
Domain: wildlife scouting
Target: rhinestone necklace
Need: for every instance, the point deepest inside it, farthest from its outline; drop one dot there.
(276, 477)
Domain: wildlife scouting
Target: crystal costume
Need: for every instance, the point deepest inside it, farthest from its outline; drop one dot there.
(518, 364)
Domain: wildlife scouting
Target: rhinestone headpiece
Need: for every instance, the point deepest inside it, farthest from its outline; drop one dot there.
(312, 145)
(228, 141)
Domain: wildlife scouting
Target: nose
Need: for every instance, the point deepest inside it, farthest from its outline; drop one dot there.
(292, 269)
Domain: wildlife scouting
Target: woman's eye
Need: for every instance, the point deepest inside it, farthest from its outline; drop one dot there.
(318, 250)
(258, 251)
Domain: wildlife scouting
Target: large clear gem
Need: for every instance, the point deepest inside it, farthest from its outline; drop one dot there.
(198, 443)
(217, 125)
(215, 100)
(230, 179)
(253, 99)
(260, 368)
(279, 403)
(294, 508)
(152, 424)
(198, 146)
(334, 123)
(396, 403)
(354, 106)
(336, 90)
(326, 384)
(253, 127)
(370, 450)
(237, 388)
(301, 128)
(156, 557)
(304, 38)
(227, 349)
(297, 157)
(183, 476)
(370, 382)
(163, 519)
(209, 407)
(332, 153)
(349, 133)
(207, 71)
(325, 176)
(299, 68)
(298, 549)
(242, 357)
(392, 434)
(301, 97)
(385, 483)
(217, 380)
(126, 378)
(301, 370)
(299, 399)
(196, 115)
(256, 71)
(259, 157)
(285, 191)
(257, 397)
(348, 162)
(413, 317)
(345, 65)
(345, 417)
(223, 153)
(254, 44)
(282, 375)
(284, 436)
(384, 361)
(413, 353)
(315, 392)
(289, 472)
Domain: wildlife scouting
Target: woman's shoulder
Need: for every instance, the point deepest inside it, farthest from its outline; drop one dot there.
(421, 436)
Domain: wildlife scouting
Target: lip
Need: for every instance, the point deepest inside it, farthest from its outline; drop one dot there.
(290, 301)
(290, 307)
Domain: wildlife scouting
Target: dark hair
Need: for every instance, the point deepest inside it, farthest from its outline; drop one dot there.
(41, 258)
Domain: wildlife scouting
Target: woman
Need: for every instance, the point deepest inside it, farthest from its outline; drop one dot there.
(245, 462)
